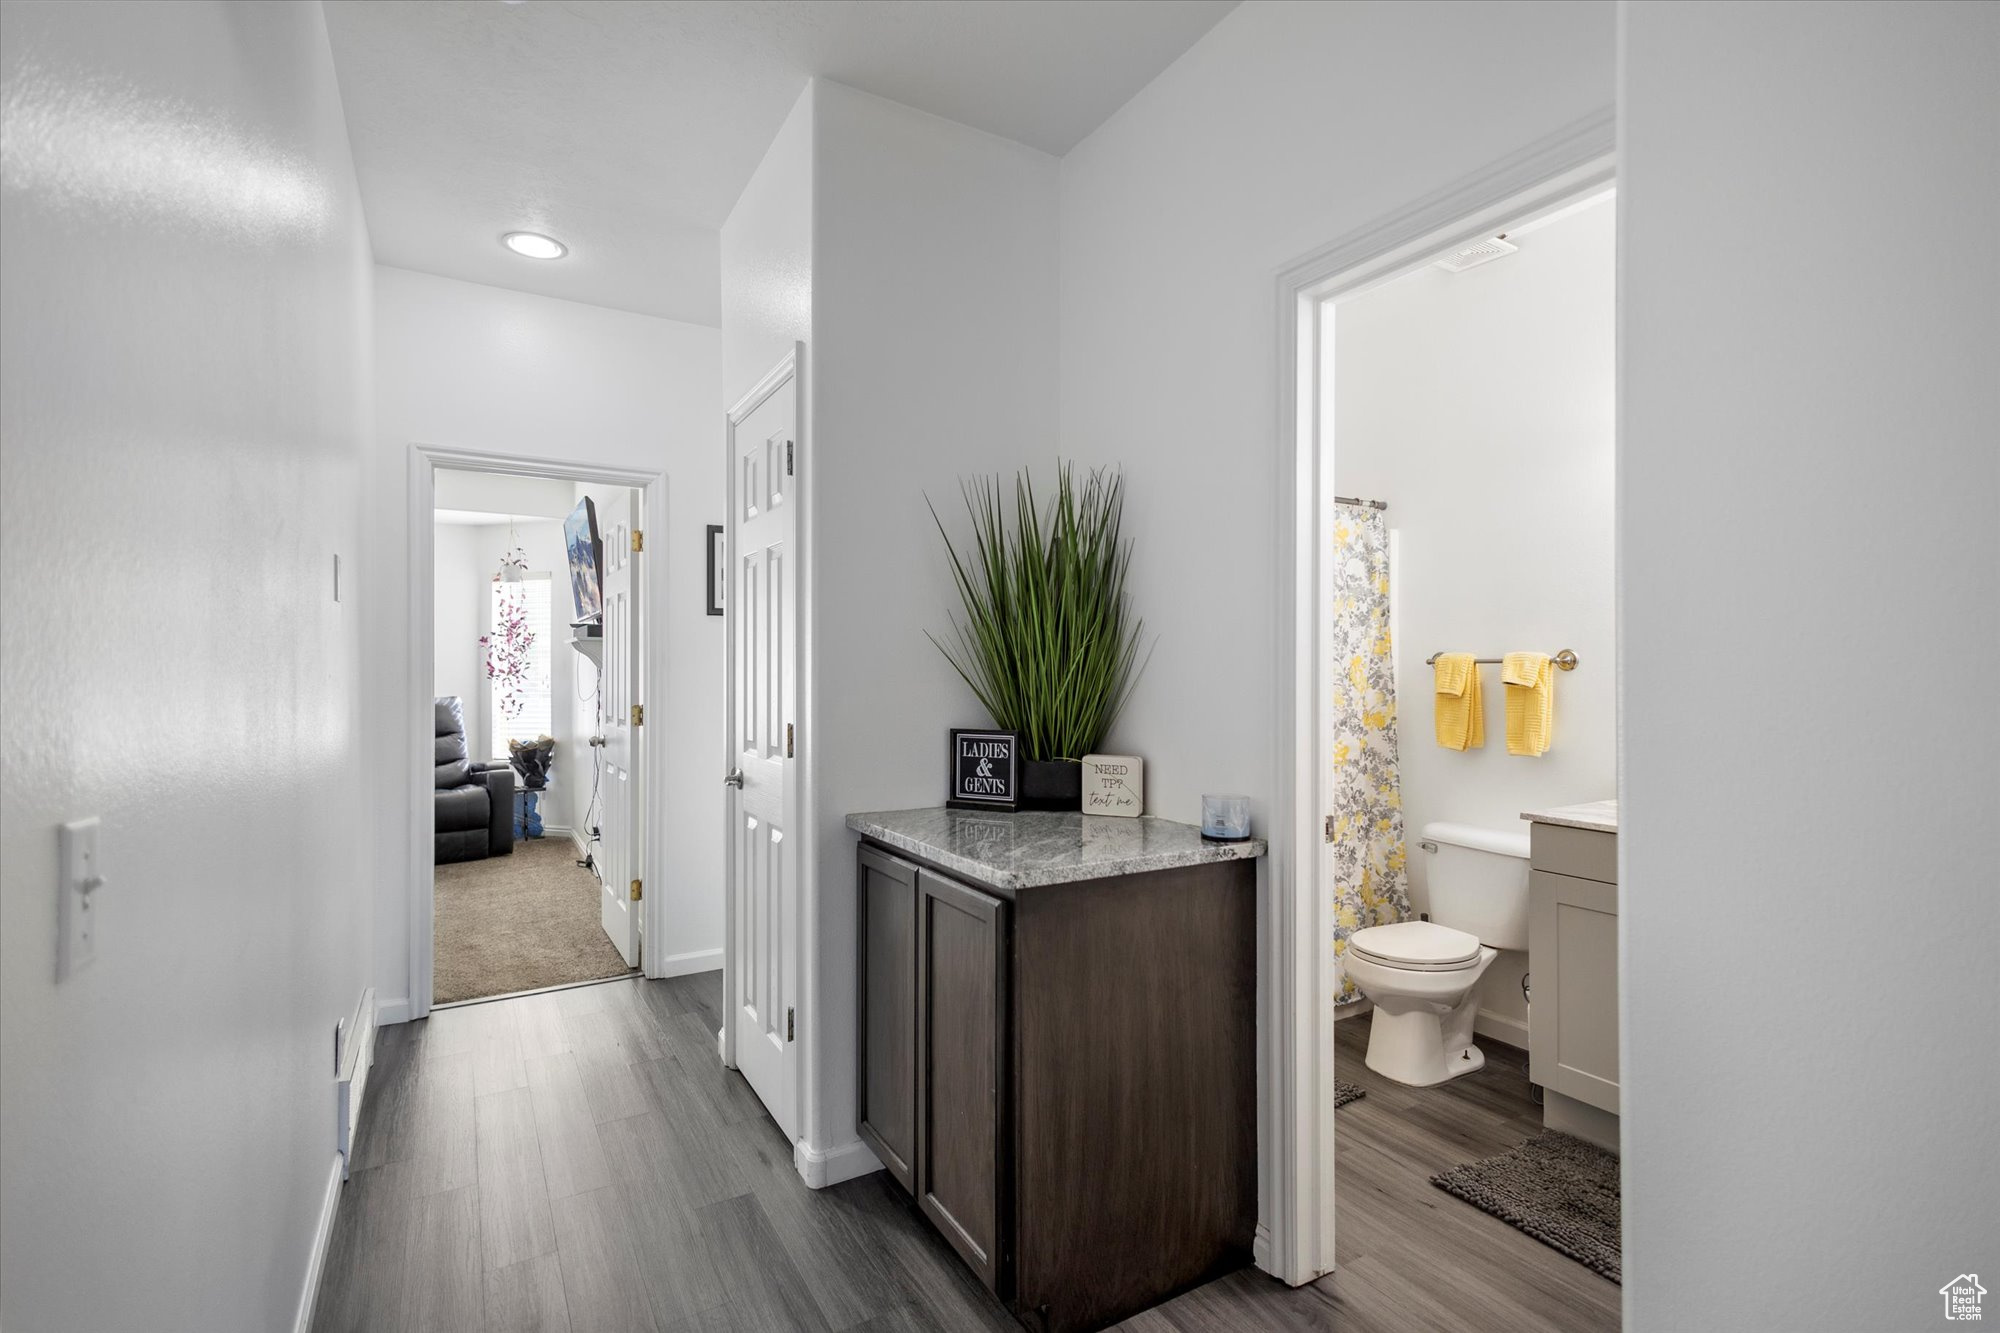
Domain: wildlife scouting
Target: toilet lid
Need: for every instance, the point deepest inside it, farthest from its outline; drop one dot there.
(1423, 945)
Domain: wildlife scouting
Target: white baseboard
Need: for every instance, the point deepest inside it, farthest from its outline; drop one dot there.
(322, 1239)
(581, 843)
(390, 1012)
(820, 1169)
(1508, 1031)
(1260, 1249)
(687, 964)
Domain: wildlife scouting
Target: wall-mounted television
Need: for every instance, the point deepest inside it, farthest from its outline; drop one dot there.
(586, 561)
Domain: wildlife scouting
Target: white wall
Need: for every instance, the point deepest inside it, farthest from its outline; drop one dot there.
(1286, 127)
(934, 313)
(184, 293)
(1810, 576)
(499, 493)
(1481, 406)
(458, 617)
(767, 260)
(477, 368)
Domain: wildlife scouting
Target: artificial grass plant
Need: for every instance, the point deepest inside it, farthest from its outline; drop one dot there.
(1046, 643)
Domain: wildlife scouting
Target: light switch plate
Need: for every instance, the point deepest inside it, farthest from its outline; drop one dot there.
(76, 908)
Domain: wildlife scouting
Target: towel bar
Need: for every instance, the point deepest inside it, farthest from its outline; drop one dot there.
(1564, 660)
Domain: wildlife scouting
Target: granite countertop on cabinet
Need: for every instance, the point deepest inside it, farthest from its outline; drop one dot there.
(1599, 816)
(1035, 848)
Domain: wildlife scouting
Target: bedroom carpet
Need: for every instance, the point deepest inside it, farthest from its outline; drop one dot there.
(518, 922)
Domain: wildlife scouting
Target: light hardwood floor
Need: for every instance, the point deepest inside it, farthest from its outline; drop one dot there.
(579, 1160)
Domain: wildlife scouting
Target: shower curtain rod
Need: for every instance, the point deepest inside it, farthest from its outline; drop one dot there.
(1365, 504)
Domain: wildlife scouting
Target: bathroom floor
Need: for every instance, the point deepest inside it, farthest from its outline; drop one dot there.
(1412, 1257)
(1445, 1263)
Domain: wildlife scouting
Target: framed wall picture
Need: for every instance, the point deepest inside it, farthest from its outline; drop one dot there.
(985, 769)
(718, 559)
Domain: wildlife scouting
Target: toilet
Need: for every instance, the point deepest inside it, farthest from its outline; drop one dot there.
(1423, 976)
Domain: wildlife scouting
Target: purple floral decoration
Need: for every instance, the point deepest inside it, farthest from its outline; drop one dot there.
(507, 650)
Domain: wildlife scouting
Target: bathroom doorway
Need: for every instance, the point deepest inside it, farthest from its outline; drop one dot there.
(1417, 519)
(1469, 631)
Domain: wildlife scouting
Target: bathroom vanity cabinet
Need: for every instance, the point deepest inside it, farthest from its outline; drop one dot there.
(1573, 954)
(1057, 1057)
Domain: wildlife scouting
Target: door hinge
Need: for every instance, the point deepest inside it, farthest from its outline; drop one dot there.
(788, 458)
(636, 891)
(638, 540)
(788, 740)
(790, 1028)
(638, 715)
(1329, 828)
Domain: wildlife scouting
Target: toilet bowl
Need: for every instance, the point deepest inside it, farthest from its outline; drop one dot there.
(1423, 976)
(1424, 980)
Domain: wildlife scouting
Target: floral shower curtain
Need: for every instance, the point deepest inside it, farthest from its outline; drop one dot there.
(1370, 882)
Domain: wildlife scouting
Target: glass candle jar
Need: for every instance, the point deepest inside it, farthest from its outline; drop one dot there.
(1225, 818)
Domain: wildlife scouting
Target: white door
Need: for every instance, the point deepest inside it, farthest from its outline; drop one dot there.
(619, 790)
(760, 600)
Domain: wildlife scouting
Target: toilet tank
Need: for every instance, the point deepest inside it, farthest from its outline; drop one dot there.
(1478, 881)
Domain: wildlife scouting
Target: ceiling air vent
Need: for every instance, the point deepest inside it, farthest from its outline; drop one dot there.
(1481, 252)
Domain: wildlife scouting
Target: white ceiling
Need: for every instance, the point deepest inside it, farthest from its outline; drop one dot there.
(480, 518)
(628, 129)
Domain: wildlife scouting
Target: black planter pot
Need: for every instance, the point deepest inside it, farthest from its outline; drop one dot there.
(1051, 784)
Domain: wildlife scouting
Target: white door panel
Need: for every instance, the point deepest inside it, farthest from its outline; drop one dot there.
(761, 605)
(618, 691)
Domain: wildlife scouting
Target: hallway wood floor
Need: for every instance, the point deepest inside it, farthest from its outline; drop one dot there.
(580, 1160)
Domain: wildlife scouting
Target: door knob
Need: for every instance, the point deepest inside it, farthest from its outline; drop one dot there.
(735, 779)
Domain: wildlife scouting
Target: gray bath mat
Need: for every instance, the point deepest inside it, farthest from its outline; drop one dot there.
(1558, 1189)
(1345, 1092)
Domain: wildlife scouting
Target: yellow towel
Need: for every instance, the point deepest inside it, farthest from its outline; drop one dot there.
(1461, 713)
(1530, 679)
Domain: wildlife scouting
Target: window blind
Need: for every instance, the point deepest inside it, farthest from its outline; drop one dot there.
(537, 712)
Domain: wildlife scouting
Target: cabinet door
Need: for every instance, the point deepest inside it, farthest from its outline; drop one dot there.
(961, 1069)
(1573, 1021)
(888, 1035)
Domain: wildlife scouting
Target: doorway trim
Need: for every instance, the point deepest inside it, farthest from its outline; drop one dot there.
(424, 462)
(1295, 1240)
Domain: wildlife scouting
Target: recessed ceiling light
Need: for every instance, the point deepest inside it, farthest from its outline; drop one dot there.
(534, 245)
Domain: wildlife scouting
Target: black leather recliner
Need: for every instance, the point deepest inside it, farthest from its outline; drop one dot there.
(475, 801)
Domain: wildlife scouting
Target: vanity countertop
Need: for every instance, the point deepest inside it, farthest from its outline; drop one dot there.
(1035, 848)
(1601, 816)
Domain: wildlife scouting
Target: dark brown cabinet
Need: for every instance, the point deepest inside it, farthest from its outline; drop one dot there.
(888, 1085)
(961, 1017)
(1063, 1077)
